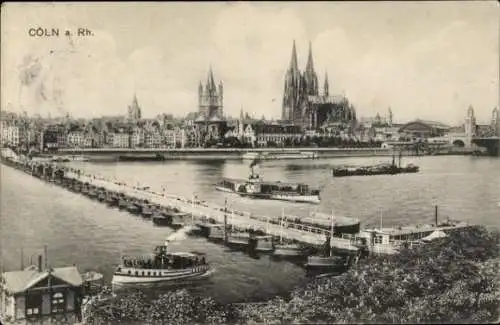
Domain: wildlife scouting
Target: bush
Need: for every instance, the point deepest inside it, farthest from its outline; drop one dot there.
(453, 280)
(176, 307)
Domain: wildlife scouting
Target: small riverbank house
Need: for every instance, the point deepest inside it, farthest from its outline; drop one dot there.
(36, 296)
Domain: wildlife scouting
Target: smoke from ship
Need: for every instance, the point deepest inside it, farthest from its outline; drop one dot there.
(255, 162)
(180, 234)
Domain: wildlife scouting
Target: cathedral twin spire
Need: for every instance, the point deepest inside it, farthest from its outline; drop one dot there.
(298, 85)
(310, 79)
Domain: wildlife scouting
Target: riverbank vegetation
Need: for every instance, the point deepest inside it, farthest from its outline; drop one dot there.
(450, 280)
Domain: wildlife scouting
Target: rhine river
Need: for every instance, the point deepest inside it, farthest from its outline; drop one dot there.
(91, 235)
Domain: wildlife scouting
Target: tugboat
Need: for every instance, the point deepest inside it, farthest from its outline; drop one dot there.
(256, 187)
(163, 268)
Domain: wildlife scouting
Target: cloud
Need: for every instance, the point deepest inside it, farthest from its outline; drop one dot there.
(434, 77)
(433, 71)
(254, 47)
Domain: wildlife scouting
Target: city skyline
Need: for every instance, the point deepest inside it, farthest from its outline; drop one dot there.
(424, 60)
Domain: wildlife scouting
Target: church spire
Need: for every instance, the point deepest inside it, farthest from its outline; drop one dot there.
(311, 79)
(210, 79)
(310, 64)
(134, 110)
(326, 90)
(293, 63)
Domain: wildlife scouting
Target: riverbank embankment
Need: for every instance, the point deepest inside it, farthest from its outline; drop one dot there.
(148, 154)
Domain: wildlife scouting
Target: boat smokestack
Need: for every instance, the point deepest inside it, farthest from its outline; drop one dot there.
(254, 162)
(436, 215)
(40, 263)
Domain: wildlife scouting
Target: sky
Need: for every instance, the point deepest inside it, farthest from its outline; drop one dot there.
(428, 60)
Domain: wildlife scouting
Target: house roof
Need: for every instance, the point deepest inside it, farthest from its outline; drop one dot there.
(200, 118)
(20, 281)
(214, 118)
(434, 124)
(429, 124)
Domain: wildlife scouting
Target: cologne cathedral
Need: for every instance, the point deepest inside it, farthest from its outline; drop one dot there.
(304, 105)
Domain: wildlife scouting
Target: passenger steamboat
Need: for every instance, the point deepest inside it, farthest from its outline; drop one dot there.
(256, 187)
(163, 268)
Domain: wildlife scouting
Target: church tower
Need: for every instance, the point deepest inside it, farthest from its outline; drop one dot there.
(134, 110)
(326, 90)
(291, 93)
(210, 97)
(495, 122)
(470, 126)
(310, 77)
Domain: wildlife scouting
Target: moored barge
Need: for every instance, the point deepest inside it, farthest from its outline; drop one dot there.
(380, 169)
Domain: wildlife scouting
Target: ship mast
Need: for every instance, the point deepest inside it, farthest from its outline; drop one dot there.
(282, 224)
(331, 236)
(225, 221)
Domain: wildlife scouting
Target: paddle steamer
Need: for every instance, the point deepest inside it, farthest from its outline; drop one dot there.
(255, 187)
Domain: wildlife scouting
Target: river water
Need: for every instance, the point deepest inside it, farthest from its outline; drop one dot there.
(87, 233)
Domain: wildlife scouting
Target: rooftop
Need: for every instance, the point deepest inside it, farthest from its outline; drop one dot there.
(22, 280)
(406, 230)
(432, 124)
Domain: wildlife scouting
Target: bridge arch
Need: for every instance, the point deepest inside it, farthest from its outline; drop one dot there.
(459, 143)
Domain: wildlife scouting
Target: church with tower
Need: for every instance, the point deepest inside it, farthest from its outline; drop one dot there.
(211, 98)
(210, 122)
(303, 102)
(134, 110)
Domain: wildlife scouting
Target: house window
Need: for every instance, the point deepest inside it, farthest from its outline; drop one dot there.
(33, 304)
(32, 311)
(58, 302)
